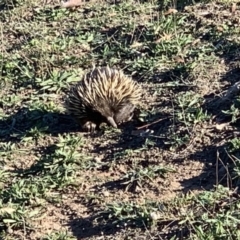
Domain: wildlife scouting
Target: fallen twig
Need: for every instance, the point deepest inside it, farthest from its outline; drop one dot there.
(152, 123)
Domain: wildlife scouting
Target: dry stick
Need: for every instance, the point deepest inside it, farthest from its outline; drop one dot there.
(217, 182)
(152, 123)
(229, 179)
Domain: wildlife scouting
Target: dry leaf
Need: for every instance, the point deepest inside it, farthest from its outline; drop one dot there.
(72, 3)
(220, 29)
(233, 8)
(204, 13)
(136, 45)
(195, 42)
(221, 126)
(106, 193)
(179, 59)
(171, 11)
(8, 210)
(164, 38)
(155, 216)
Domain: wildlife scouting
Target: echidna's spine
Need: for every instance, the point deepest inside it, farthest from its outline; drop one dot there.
(103, 93)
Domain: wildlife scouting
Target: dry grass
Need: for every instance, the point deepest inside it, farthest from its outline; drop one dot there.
(175, 178)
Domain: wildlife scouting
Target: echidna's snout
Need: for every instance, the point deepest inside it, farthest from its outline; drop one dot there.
(112, 122)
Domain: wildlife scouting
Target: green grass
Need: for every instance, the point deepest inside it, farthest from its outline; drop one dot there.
(172, 174)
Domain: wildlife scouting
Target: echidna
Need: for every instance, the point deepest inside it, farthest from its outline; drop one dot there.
(103, 95)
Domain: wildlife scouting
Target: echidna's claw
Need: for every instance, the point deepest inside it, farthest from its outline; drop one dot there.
(89, 126)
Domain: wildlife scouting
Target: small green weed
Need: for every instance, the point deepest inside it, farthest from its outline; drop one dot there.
(57, 82)
(211, 215)
(128, 214)
(233, 112)
(14, 216)
(190, 111)
(62, 235)
(139, 176)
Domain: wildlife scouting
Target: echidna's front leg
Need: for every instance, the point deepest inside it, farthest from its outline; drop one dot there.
(89, 126)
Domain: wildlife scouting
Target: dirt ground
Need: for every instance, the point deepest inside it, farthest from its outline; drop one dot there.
(171, 133)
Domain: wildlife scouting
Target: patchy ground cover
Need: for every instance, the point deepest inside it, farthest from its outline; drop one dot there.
(172, 173)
